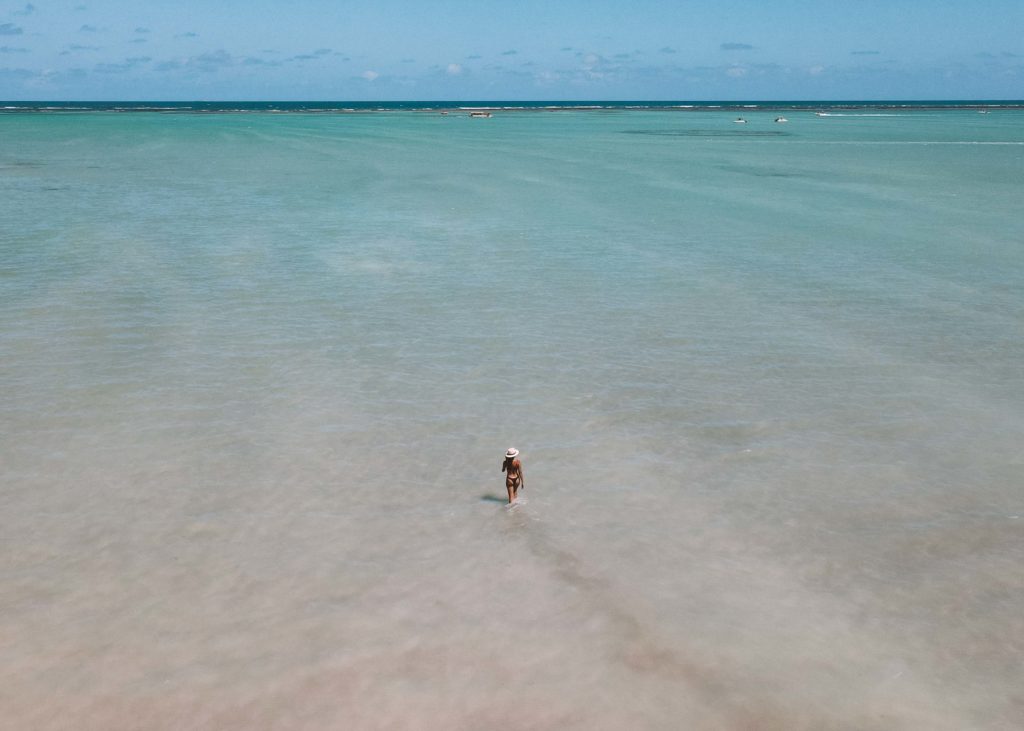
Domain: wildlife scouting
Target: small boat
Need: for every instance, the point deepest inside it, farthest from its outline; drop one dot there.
(780, 120)
(739, 120)
(482, 115)
(444, 114)
(982, 111)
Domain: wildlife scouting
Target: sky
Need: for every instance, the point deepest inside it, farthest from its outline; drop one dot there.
(380, 50)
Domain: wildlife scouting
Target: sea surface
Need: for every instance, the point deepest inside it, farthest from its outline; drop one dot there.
(258, 371)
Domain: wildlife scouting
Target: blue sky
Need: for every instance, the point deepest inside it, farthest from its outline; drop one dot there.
(486, 49)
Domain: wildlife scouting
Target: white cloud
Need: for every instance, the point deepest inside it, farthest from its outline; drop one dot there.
(816, 70)
(547, 77)
(205, 62)
(212, 61)
(593, 66)
(736, 72)
(454, 69)
(369, 75)
(120, 68)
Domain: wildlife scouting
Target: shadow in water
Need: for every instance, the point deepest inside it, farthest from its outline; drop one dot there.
(494, 499)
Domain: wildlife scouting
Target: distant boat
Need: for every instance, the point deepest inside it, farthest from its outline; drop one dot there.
(780, 120)
(739, 120)
(982, 111)
(481, 114)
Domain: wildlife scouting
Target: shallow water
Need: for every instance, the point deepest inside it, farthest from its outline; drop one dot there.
(257, 373)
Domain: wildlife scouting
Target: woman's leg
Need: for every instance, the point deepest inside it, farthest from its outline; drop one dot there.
(512, 489)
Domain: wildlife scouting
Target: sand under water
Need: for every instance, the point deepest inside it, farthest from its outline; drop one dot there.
(258, 372)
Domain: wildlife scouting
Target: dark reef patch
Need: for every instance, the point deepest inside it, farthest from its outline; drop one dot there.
(705, 133)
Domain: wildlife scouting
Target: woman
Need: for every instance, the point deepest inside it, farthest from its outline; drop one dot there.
(513, 470)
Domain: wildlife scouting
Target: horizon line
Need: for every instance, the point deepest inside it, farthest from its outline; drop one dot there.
(894, 100)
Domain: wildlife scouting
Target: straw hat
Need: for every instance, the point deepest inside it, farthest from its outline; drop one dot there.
(512, 452)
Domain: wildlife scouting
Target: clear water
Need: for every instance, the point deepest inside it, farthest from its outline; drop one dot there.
(257, 373)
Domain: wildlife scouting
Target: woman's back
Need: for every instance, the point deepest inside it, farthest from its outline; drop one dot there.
(512, 467)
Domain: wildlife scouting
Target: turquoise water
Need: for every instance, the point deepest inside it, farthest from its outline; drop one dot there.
(257, 373)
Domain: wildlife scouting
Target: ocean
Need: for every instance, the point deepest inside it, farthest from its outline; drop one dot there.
(259, 367)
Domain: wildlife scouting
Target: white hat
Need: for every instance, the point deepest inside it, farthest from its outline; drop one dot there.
(512, 452)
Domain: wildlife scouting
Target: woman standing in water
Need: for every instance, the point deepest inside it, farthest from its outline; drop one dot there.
(513, 470)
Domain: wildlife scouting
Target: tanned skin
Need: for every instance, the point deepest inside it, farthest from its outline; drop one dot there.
(513, 470)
